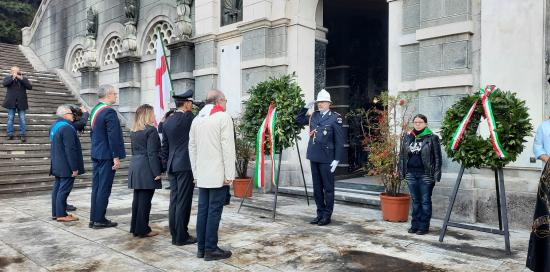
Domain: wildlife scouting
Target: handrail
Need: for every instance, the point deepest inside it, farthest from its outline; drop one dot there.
(38, 17)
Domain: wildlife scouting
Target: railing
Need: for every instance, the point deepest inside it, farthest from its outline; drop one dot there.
(35, 22)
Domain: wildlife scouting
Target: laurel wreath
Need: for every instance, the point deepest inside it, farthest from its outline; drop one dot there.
(512, 125)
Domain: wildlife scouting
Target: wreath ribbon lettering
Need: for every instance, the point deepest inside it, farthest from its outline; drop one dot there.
(486, 103)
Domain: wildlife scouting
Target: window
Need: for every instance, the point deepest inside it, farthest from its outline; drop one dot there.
(232, 11)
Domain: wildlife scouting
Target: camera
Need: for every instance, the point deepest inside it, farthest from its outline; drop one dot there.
(77, 112)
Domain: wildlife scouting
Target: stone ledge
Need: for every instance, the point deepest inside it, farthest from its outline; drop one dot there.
(269, 62)
(205, 71)
(445, 30)
(445, 81)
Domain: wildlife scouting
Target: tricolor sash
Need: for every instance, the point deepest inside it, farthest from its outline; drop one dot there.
(268, 126)
(95, 112)
(484, 95)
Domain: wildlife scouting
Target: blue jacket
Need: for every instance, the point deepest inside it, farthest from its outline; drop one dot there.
(65, 150)
(106, 133)
(541, 146)
(175, 142)
(327, 142)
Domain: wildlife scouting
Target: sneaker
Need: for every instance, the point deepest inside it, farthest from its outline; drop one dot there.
(217, 254)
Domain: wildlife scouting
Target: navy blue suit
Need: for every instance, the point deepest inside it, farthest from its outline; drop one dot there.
(107, 144)
(66, 157)
(326, 144)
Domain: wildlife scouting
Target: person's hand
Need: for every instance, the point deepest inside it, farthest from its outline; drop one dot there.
(227, 181)
(310, 104)
(544, 158)
(157, 178)
(83, 109)
(75, 173)
(116, 164)
(333, 166)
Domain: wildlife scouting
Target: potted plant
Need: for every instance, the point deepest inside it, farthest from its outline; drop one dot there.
(383, 131)
(242, 185)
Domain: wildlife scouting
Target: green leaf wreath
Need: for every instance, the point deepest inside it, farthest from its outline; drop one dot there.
(288, 98)
(512, 125)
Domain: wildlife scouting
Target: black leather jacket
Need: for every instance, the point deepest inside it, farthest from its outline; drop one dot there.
(430, 153)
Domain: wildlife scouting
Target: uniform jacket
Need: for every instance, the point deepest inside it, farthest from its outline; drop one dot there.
(212, 148)
(65, 150)
(430, 153)
(107, 141)
(175, 141)
(327, 142)
(145, 164)
(16, 95)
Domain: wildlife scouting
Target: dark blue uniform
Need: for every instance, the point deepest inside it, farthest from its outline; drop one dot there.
(66, 157)
(107, 143)
(326, 144)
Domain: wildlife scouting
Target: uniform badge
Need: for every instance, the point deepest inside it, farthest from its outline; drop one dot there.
(325, 132)
(339, 120)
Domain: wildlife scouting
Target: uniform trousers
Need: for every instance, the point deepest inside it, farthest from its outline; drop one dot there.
(323, 189)
(181, 197)
(141, 209)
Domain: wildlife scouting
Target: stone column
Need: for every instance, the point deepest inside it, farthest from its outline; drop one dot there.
(129, 85)
(89, 84)
(182, 64)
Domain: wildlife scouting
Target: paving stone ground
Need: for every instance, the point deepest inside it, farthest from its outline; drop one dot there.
(357, 240)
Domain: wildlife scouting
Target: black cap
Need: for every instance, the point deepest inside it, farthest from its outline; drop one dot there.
(186, 96)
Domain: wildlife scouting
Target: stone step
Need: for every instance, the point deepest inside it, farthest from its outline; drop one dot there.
(37, 140)
(44, 133)
(34, 164)
(370, 198)
(41, 170)
(47, 187)
(41, 147)
(34, 73)
(29, 179)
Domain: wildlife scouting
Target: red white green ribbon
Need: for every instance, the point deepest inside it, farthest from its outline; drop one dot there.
(95, 111)
(266, 129)
(485, 101)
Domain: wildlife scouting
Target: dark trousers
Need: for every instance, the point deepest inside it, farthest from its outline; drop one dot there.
(208, 217)
(421, 187)
(227, 194)
(181, 197)
(141, 209)
(102, 182)
(61, 189)
(323, 189)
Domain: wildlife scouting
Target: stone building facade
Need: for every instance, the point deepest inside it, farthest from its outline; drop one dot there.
(438, 50)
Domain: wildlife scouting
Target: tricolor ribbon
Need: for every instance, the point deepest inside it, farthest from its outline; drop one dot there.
(484, 95)
(95, 112)
(266, 129)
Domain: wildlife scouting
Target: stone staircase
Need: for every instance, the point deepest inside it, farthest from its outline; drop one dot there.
(24, 167)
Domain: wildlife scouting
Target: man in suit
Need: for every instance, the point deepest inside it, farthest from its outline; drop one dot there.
(175, 152)
(324, 151)
(107, 151)
(16, 100)
(66, 162)
(212, 154)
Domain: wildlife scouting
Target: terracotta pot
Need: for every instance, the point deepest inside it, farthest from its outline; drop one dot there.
(239, 187)
(395, 208)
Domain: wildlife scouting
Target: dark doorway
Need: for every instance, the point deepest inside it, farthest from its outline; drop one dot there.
(356, 65)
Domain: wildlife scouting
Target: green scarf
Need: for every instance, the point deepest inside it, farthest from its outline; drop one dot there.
(425, 132)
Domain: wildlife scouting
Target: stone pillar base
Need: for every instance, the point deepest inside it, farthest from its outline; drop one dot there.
(89, 83)
(129, 73)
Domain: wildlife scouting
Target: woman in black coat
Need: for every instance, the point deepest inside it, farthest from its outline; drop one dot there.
(145, 169)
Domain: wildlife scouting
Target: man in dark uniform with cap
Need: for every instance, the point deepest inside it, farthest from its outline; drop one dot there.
(175, 152)
(324, 150)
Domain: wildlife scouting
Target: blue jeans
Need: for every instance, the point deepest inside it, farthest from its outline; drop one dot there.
(209, 215)
(421, 187)
(61, 189)
(22, 123)
(102, 182)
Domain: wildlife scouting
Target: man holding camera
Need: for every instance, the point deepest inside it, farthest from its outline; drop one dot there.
(16, 100)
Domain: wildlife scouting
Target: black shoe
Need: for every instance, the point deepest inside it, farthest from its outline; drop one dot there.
(91, 224)
(54, 218)
(422, 232)
(167, 188)
(106, 224)
(227, 202)
(200, 253)
(315, 221)
(23, 139)
(412, 230)
(217, 254)
(70, 208)
(190, 240)
(10, 137)
(323, 222)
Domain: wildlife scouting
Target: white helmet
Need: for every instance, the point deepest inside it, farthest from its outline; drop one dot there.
(323, 96)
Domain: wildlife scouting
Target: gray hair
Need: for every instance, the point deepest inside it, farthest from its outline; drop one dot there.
(104, 90)
(213, 96)
(63, 109)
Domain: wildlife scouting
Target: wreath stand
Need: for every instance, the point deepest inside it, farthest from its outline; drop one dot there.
(501, 207)
(274, 209)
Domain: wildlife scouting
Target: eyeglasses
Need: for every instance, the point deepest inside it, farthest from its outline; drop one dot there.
(421, 122)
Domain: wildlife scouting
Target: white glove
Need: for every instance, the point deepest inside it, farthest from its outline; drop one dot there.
(333, 166)
(310, 104)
